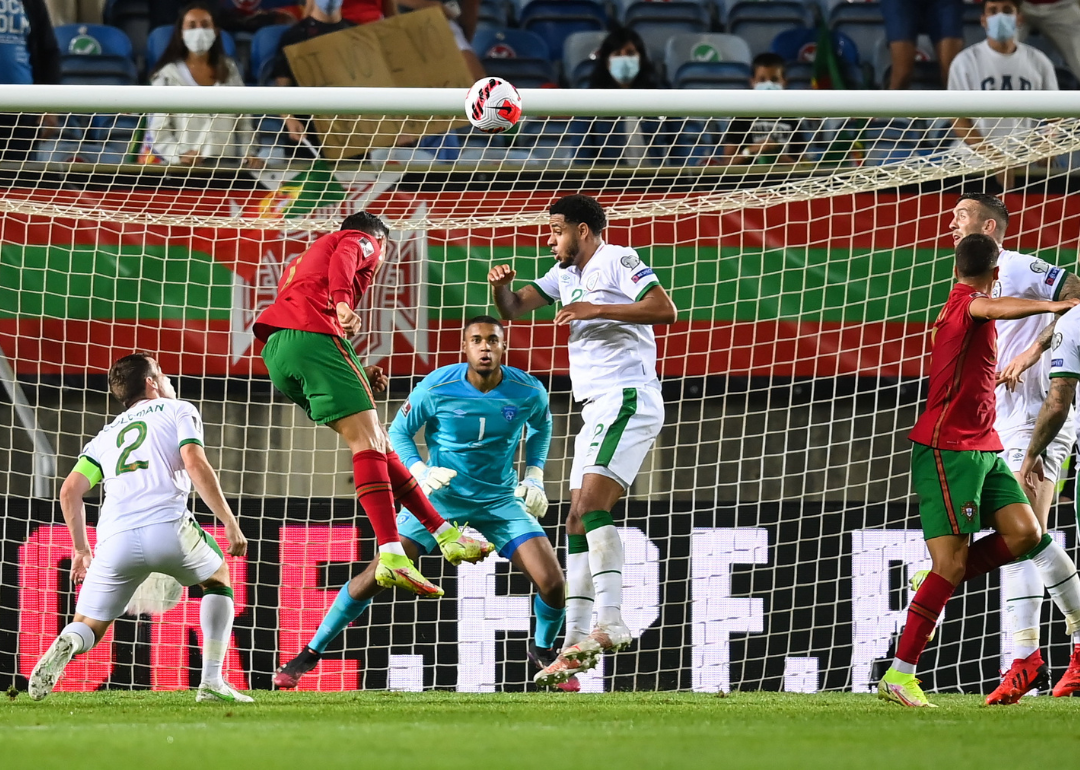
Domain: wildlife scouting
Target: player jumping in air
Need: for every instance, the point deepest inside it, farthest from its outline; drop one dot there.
(473, 415)
(962, 483)
(1018, 406)
(148, 457)
(610, 300)
(311, 361)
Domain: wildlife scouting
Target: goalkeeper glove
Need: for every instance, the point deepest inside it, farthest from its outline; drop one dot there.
(431, 479)
(531, 489)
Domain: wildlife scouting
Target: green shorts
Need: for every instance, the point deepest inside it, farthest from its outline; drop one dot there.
(319, 372)
(954, 488)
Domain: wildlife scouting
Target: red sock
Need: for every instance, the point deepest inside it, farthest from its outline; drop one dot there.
(987, 554)
(408, 493)
(374, 492)
(922, 616)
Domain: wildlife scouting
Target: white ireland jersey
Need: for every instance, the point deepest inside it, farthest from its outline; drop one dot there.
(981, 68)
(1024, 277)
(139, 457)
(606, 355)
(1065, 347)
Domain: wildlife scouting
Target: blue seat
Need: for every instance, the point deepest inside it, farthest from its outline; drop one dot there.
(523, 73)
(133, 18)
(862, 22)
(758, 22)
(264, 49)
(92, 40)
(801, 44)
(577, 59)
(712, 74)
(676, 16)
(555, 20)
(493, 13)
(85, 70)
(707, 61)
(510, 44)
(158, 41)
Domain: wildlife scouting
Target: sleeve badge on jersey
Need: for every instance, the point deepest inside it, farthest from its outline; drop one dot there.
(406, 408)
(1056, 343)
(367, 248)
(1057, 362)
(1039, 266)
(1052, 275)
(641, 274)
(996, 291)
(630, 261)
(509, 412)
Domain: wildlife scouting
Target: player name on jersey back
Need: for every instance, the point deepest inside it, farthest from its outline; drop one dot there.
(139, 457)
(606, 355)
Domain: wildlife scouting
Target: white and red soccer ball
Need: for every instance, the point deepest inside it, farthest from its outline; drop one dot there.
(493, 105)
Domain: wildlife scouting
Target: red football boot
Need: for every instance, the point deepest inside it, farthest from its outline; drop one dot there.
(1069, 684)
(1025, 675)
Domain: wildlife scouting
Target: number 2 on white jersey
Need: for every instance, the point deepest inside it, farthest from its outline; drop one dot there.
(122, 465)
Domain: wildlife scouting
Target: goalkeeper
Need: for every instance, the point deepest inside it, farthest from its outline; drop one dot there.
(473, 415)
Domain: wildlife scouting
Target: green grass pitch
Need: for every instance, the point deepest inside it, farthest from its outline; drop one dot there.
(621, 731)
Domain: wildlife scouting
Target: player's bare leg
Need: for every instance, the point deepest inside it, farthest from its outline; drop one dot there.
(351, 602)
(369, 445)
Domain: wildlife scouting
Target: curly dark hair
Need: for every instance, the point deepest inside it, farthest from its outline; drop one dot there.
(577, 209)
(366, 222)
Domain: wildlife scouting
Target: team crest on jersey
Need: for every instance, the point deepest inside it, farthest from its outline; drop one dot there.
(969, 510)
(1057, 341)
(593, 280)
(509, 412)
(630, 261)
(1039, 266)
(996, 291)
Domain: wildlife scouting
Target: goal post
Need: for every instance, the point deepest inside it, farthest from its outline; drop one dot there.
(772, 529)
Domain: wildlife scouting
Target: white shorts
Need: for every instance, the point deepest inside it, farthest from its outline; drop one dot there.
(121, 563)
(1016, 443)
(620, 428)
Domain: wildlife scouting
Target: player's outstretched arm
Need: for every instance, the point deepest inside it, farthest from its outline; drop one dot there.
(1051, 419)
(513, 304)
(206, 484)
(655, 307)
(1010, 375)
(1011, 308)
(75, 487)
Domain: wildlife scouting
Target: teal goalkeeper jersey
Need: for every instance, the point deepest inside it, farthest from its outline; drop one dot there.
(476, 434)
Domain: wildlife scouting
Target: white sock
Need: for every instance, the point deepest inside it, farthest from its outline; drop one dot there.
(394, 548)
(579, 598)
(903, 666)
(606, 563)
(1059, 575)
(216, 619)
(444, 527)
(1023, 588)
(84, 634)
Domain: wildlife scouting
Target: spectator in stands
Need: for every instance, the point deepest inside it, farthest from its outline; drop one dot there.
(195, 56)
(764, 140)
(462, 18)
(28, 54)
(367, 11)
(622, 61)
(942, 20)
(253, 15)
(1058, 20)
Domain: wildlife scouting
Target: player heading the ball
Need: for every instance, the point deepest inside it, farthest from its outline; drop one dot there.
(148, 459)
(610, 300)
(312, 362)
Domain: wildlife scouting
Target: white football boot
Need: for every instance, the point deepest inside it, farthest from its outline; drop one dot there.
(50, 668)
(221, 692)
(610, 638)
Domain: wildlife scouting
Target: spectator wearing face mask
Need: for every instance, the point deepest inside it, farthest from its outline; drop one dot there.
(195, 56)
(622, 61)
(764, 140)
(999, 63)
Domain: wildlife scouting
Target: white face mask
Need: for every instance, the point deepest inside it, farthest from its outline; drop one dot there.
(768, 85)
(199, 40)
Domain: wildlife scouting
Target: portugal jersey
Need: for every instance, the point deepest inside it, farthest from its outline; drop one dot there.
(606, 355)
(1026, 278)
(336, 268)
(138, 455)
(959, 412)
(474, 433)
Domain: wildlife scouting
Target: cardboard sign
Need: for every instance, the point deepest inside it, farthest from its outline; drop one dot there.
(413, 50)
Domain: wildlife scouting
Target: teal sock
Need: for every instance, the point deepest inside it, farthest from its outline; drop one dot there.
(342, 612)
(549, 622)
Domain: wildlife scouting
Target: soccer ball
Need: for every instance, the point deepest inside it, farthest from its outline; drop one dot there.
(493, 105)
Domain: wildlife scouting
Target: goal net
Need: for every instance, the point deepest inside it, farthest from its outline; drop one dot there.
(771, 533)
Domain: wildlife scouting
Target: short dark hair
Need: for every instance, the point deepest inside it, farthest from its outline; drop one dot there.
(580, 209)
(768, 59)
(993, 208)
(976, 255)
(127, 377)
(368, 223)
(485, 319)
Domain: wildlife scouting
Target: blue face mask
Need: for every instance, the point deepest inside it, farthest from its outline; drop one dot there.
(1001, 27)
(329, 7)
(624, 68)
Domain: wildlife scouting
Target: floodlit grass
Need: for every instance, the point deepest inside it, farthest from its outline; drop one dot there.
(436, 730)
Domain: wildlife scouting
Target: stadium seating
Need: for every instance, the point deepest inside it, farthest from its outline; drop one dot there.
(493, 14)
(159, 37)
(800, 74)
(675, 16)
(517, 55)
(95, 54)
(800, 46)
(758, 22)
(132, 17)
(577, 61)
(709, 60)
(554, 20)
(264, 49)
(862, 22)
